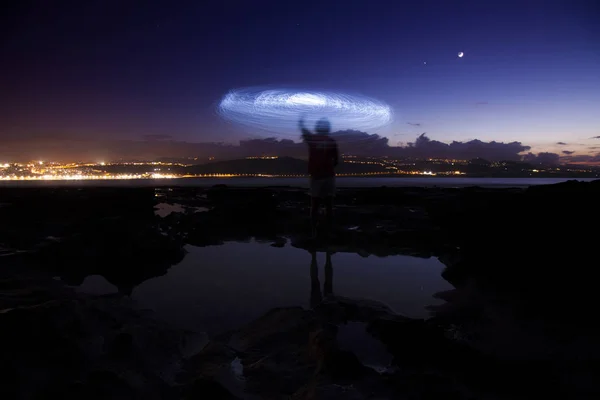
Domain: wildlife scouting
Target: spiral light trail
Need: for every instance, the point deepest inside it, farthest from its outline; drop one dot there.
(278, 110)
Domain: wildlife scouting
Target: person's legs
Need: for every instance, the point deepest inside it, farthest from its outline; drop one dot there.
(315, 289)
(315, 204)
(329, 210)
(329, 194)
(328, 286)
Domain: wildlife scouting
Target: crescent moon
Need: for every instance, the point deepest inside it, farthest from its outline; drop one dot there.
(460, 54)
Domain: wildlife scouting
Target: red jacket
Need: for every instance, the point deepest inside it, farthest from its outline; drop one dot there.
(322, 155)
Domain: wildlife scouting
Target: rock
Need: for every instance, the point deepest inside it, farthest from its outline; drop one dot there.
(94, 347)
(279, 242)
(431, 386)
(122, 345)
(290, 352)
(203, 388)
(274, 349)
(102, 231)
(341, 309)
(314, 391)
(343, 366)
(416, 342)
(105, 385)
(322, 341)
(210, 362)
(519, 260)
(243, 213)
(295, 352)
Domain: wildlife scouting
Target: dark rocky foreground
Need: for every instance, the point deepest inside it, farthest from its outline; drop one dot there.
(519, 324)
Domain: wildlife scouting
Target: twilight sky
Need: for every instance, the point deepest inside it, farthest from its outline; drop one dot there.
(100, 69)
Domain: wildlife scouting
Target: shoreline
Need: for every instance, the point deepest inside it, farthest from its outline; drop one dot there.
(342, 182)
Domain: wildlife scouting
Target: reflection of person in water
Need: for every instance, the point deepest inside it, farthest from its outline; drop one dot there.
(315, 287)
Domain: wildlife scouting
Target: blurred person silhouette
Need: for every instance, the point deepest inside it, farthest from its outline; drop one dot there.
(315, 286)
(323, 157)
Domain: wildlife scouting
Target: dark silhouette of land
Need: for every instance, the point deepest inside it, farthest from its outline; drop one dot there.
(518, 323)
(362, 165)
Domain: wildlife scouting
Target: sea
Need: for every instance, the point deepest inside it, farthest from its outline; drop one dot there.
(345, 182)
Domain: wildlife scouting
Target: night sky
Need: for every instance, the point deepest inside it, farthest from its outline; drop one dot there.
(97, 70)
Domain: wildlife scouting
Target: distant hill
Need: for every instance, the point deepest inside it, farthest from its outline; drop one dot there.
(278, 166)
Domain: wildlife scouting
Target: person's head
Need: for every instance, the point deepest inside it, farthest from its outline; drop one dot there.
(323, 126)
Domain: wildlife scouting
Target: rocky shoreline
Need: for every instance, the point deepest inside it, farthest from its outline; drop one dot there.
(517, 325)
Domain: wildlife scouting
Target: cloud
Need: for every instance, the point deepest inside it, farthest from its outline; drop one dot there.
(567, 152)
(413, 124)
(362, 143)
(424, 147)
(582, 158)
(561, 143)
(156, 137)
(481, 103)
(350, 142)
(543, 158)
(595, 137)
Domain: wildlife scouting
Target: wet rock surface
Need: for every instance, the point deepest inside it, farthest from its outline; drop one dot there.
(370, 226)
(58, 344)
(73, 233)
(294, 353)
(517, 325)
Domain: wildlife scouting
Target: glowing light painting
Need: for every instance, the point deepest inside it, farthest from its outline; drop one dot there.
(278, 110)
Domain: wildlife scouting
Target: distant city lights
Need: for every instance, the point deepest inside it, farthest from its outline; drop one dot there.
(149, 170)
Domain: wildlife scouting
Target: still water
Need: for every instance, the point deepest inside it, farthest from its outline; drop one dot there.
(301, 182)
(218, 288)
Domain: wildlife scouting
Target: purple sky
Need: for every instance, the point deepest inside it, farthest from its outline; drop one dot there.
(101, 69)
